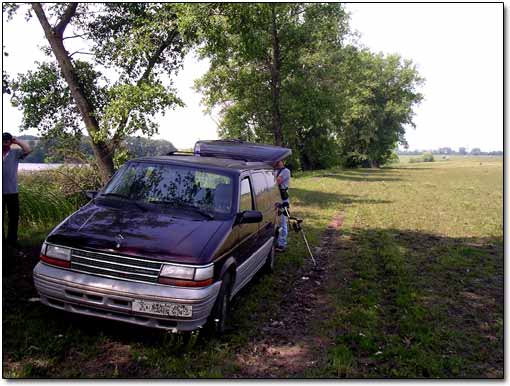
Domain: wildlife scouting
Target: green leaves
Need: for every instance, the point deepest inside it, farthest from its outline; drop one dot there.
(337, 102)
(280, 72)
(139, 45)
(45, 100)
(240, 41)
(133, 107)
(380, 96)
(135, 37)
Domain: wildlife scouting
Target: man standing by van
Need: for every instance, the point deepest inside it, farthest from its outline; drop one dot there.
(10, 199)
(283, 181)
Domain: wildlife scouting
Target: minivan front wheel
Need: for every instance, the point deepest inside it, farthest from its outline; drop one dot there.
(220, 313)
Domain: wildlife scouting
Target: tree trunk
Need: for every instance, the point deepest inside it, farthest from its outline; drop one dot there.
(54, 35)
(276, 81)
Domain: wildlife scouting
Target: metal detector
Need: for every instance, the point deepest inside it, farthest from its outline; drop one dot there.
(296, 225)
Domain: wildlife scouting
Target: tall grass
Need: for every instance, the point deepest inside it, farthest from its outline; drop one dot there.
(46, 199)
(42, 205)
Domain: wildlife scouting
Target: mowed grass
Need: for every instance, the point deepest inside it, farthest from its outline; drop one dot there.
(416, 279)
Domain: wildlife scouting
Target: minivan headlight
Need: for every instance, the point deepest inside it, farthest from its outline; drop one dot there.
(56, 255)
(177, 272)
(58, 252)
(186, 276)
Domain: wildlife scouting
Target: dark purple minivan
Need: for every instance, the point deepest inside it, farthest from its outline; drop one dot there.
(169, 240)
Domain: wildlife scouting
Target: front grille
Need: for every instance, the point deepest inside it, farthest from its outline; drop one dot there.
(115, 266)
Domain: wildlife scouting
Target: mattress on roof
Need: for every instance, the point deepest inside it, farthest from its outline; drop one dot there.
(239, 150)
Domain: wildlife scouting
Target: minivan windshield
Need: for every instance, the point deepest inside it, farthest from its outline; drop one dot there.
(174, 186)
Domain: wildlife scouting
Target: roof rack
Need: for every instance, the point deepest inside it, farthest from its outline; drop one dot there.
(214, 155)
(178, 152)
(234, 140)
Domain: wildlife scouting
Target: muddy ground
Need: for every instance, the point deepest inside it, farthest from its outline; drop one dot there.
(289, 344)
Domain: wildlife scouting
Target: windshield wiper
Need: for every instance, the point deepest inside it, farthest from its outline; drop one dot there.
(178, 204)
(114, 195)
(138, 205)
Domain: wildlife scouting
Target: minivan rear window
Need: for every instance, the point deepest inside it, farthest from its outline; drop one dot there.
(172, 185)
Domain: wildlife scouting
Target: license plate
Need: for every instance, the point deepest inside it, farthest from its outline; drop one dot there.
(160, 308)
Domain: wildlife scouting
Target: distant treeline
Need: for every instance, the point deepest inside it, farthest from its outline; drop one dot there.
(43, 149)
(450, 151)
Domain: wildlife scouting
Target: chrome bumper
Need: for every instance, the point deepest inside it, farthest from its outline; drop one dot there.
(112, 299)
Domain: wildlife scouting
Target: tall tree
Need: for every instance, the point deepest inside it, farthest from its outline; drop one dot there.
(266, 59)
(380, 94)
(137, 44)
(283, 73)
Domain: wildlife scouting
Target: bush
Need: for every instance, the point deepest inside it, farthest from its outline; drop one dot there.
(353, 160)
(428, 157)
(75, 180)
(393, 159)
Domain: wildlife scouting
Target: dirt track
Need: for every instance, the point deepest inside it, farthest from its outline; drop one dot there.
(290, 344)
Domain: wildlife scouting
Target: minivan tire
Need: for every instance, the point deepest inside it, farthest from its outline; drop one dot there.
(219, 317)
(270, 260)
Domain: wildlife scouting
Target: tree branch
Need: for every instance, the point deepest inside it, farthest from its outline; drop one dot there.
(84, 105)
(66, 18)
(37, 7)
(152, 62)
(81, 52)
(76, 36)
(154, 58)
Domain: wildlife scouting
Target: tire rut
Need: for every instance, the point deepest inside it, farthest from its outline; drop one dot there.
(290, 345)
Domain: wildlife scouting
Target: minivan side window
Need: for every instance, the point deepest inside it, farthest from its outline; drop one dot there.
(245, 200)
(261, 191)
(274, 193)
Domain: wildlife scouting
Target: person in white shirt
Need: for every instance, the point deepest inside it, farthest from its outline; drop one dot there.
(10, 199)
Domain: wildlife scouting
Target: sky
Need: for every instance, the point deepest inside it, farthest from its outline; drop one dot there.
(457, 48)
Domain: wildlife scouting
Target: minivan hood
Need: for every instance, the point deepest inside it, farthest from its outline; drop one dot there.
(129, 230)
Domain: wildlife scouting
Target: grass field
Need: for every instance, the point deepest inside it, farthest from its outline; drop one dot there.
(415, 282)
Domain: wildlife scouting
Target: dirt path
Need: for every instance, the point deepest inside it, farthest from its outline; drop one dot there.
(290, 344)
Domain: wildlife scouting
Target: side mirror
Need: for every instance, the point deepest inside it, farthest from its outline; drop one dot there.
(91, 193)
(249, 217)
